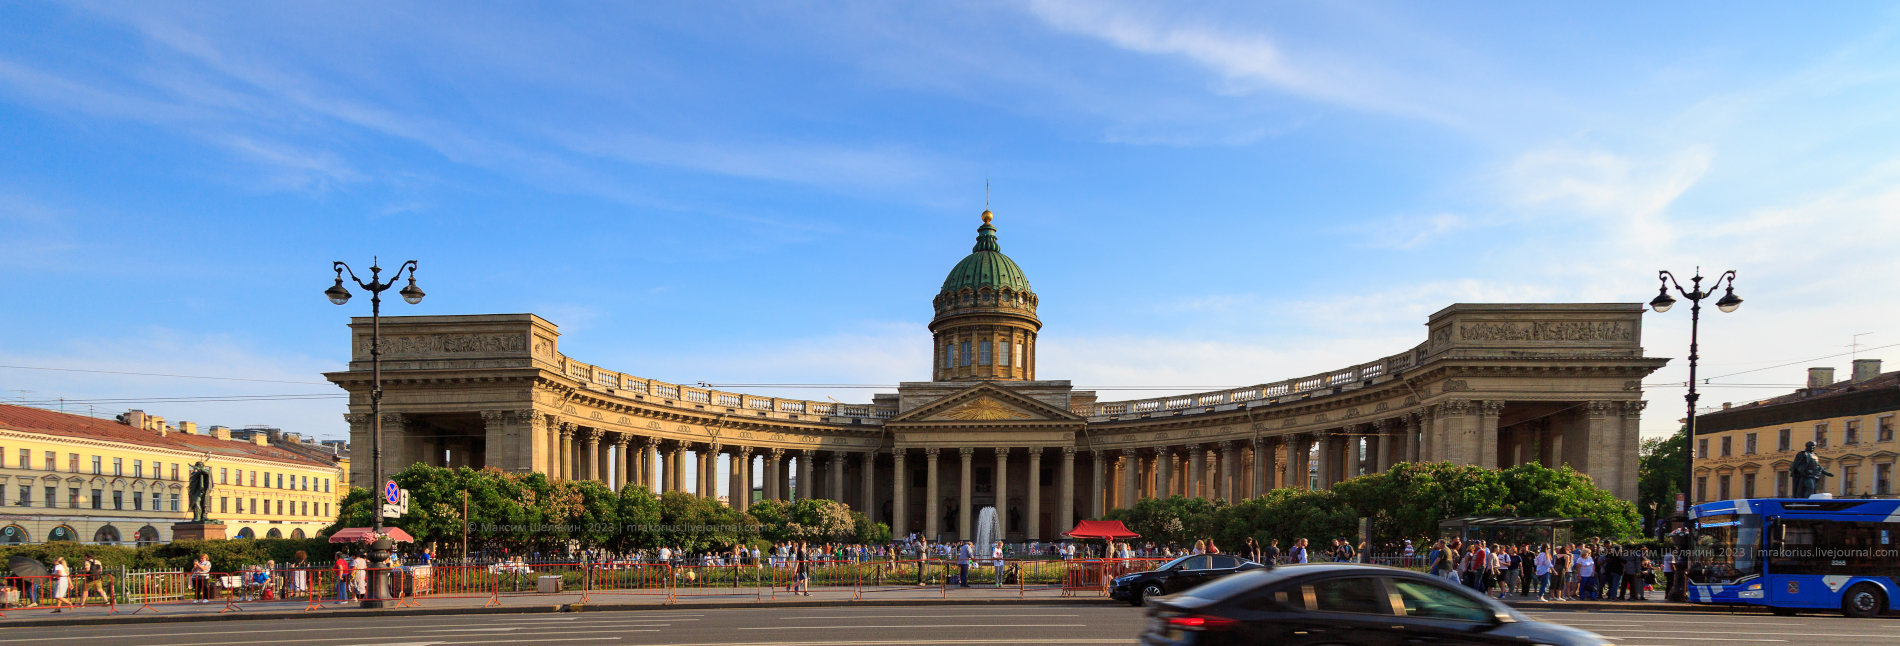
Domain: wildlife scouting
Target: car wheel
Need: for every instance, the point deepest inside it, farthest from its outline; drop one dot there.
(1149, 590)
(1864, 600)
(1782, 612)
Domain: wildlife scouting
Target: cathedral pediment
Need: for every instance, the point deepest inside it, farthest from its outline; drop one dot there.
(985, 403)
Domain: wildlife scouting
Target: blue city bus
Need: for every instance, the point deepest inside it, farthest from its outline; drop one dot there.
(1790, 554)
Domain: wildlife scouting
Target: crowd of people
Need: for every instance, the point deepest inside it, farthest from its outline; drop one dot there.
(1593, 571)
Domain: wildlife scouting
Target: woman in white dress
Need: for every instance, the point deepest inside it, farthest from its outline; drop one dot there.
(62, 579)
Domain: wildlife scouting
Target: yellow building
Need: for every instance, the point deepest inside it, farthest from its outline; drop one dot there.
(79, 478)
(1745, 451)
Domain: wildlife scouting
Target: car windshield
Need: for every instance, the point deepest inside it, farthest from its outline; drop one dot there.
(1175, 563)
(1726, 548)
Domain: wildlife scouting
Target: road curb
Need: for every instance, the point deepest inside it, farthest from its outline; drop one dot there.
(1639, 606)
(545, 609)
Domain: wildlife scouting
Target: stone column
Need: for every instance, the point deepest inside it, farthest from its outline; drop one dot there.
(649, 470)
(1065, 490)
(1632, 438)
(1328, 459)
(1229, 470)
(1131, 478)
(709, 470)
(1292, 446)
(1486, 444)
(1001, 486)
(772, 458)
(1033, 517)
(932, 508)
(1600, 422)
(668, 472)
(1196, 483)
(900, 490)
(807, 489)
(603, 458)
(1415, 437)
(679, 468)
(963, 491)
(1098, 486)
(586, 443)
(836, 486)
(1262, 467)
(567, 451)
(1386, 429)
(1164, 472)
(623, 468)
(867, 484)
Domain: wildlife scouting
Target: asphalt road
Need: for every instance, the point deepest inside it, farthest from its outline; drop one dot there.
(869, 626)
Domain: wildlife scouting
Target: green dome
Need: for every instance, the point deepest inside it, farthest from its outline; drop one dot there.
(986, 266)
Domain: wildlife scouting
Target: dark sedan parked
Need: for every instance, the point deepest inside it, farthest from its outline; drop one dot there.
(1343, 603)
(1177, 575)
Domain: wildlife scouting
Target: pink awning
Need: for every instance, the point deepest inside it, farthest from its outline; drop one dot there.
(1101, 529)
(359, 534)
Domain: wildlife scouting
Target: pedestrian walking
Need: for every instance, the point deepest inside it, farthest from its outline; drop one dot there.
(62, 579)
(1543, 564)
(95, 578)
(996, 560)
(1270, 554)
(965, 551)
(1297, 554)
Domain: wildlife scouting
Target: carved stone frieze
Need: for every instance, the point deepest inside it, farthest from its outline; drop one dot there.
(1548, 331)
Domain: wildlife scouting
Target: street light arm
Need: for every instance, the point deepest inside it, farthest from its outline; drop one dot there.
(373, 286)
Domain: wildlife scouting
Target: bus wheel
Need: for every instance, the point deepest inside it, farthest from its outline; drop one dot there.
(1783, 612)
(1864, 600)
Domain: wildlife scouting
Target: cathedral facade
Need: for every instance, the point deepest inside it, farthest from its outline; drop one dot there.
(1494, 385)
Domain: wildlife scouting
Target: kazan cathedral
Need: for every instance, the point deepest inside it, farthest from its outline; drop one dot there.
(1495, 385)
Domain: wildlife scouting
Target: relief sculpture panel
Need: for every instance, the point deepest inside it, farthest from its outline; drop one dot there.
(1548, 331)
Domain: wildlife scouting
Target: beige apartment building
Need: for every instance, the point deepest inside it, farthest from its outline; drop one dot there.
(1744, 451)
(77, 478)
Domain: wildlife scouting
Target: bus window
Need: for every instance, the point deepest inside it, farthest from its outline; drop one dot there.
(1829, 547)
(1726, 548)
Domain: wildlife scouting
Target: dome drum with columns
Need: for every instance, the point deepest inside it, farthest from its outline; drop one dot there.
(1492, 385)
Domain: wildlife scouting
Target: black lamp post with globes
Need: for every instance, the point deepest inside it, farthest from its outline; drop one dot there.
(1663, 301)
(339, 295)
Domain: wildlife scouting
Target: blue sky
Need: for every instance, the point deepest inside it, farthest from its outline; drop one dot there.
(1203, 195)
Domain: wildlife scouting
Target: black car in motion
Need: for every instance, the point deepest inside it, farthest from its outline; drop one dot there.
(1177, 575)
(1343, 603)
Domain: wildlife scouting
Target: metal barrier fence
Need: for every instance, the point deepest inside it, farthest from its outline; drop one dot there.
(410, 586)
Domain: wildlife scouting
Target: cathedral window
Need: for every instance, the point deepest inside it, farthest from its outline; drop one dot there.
(965, 350)
(982, 353)
(1019, 354)
(1002, 353)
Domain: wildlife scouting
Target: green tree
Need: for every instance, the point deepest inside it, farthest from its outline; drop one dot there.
(1660, 465)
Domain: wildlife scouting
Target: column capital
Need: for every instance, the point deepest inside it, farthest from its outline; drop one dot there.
(621, 440)
(1194, 447)
(1001, 450)
(712, 447)
(589, 434)
(567, 430)
(1033, 450)
(1491, 408)
(651, 442)
(742, 451)
(1453, 407)
(1068, 451)
(393, 418)
(967, 451)
(1599, 408)
(495, 417)
(776, 452)
(360, 420)
(1634, 409)
(1130, 452)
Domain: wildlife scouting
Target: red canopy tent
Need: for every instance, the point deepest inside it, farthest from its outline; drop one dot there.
(1104, 529)
(358, 534)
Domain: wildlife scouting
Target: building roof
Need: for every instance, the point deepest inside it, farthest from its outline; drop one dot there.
(1845, 399)
(34, 420)
(986, 266)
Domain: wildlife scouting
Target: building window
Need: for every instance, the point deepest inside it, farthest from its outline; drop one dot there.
(1853, 432)
(982, 353)
(174, 470)
(1782, 443)
(1702, 449)
(1748, 485)
(253, 505)
(280, 480)
(1883, 431)
(1722, 487)
(1019, 355)
(174, 502)
(3, 494)
(950, 355)
(98, 466)
(138, 468)
(158, 501)
(72, 463)
(1850, 481)
(1781, 484)
(118, 466)
(26, 459)
(964, 349)
(26, 497)
(1702, 488)
(1883, 479)
(98, 499)
(266, 479)
(253, 478)
(1728, 447)
(1820, 435)
(1748, 444)
(224, 504)
(326, 487)
(138, 502)
(52, 496)
(1002, 353)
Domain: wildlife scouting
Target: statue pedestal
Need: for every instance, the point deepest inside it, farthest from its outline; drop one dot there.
(198, 531)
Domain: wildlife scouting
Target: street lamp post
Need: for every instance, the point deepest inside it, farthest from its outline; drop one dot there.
(1663, 301)
(339, 295)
